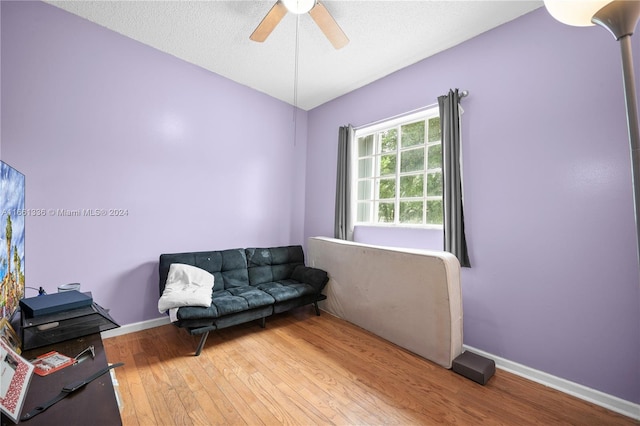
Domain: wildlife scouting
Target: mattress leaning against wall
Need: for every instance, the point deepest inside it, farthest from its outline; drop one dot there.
(412, 298)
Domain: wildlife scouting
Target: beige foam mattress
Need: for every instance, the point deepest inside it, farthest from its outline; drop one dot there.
(409, 297)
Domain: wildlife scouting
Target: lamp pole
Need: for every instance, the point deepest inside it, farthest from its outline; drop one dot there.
(620, 18)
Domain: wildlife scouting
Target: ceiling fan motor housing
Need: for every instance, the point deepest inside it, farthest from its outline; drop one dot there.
(299, 6)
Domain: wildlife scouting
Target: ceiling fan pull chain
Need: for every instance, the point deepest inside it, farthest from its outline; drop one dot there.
(295, 81)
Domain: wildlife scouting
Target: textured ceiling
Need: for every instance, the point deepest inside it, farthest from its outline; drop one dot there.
(385, 36)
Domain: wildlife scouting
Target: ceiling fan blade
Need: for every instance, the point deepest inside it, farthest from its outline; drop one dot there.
(329, 26)
(269, 22)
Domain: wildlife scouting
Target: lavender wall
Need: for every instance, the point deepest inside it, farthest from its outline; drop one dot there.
(97, 121)
(548, 199)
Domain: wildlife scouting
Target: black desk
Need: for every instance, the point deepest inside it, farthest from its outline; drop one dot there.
(93, 405)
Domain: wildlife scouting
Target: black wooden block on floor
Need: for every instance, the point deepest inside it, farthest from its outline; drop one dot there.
(474, 367)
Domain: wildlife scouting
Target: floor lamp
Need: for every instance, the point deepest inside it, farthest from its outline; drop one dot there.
(620, 18)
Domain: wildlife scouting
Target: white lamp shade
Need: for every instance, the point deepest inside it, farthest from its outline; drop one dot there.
(299, 6)
(575, 12)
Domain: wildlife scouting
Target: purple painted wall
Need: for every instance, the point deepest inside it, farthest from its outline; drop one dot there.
(549, 211)
(97, 121)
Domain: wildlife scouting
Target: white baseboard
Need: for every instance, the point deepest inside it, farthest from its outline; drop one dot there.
(602, 399)
(136, 326)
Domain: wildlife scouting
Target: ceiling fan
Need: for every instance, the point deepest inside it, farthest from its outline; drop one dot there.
(318, 13)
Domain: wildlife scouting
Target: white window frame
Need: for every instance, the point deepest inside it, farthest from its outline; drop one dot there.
(373, 129)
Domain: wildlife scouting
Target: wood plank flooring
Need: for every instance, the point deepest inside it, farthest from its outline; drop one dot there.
(308, 370)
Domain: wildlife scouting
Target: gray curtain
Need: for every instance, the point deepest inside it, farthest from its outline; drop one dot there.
(343, 228)
(454, 239)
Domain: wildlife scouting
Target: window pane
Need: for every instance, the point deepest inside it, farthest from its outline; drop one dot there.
(364, 190)
(365, 146)
(435, 157)
(365, 167)
(411, 212)
(387, 189)
(434, 212)
(364, 212)
(399, 178)
(412, 161)
(386, 212)
(388, 140)
(388, 165)
(434, 184)
(434, 129)
(412, 186)
(412, 134)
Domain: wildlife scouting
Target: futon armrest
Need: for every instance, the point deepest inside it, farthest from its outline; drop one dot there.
(317, 278)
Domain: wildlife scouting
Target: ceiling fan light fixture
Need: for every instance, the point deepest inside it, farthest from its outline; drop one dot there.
(299, 6)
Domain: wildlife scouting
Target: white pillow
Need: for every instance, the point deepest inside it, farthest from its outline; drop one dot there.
(186, 286)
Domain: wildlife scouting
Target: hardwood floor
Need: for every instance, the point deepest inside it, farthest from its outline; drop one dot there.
(308, 370)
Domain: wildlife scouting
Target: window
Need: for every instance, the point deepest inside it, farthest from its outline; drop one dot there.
(398, 178)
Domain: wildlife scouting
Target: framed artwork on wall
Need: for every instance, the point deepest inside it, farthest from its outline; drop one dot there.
(12, 236)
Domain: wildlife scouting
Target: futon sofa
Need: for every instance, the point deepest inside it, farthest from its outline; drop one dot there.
(248, 284)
